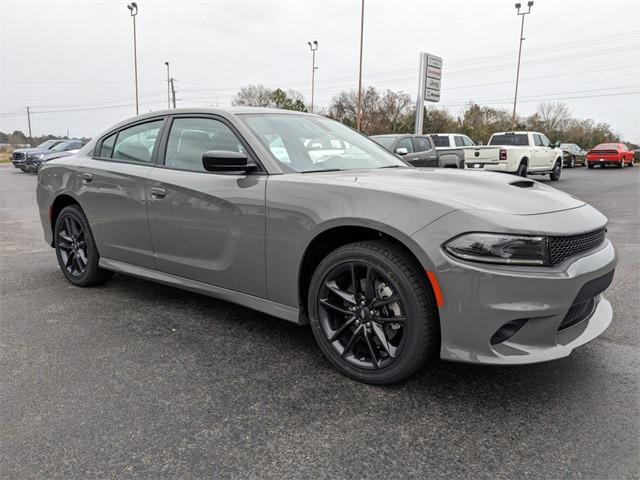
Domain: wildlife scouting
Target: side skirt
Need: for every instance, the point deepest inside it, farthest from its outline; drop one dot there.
(285, 312)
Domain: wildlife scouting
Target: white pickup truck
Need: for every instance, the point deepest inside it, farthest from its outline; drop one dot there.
(521, 153)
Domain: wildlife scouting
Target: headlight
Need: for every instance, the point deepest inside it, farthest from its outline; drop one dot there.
(500, 248)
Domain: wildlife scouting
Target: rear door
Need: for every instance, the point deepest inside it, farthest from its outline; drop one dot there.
(113, 194)
(425, 154)
(549, 153)
(539, 158)
(208, 227)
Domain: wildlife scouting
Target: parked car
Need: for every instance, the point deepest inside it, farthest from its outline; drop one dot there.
(419, 150)
(521, 153)
(610, 154)
(20, 155)
(572, 155)
(392, 266)
(62, 149)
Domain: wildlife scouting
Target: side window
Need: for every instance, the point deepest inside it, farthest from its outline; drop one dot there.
(441, 140)
(545, 141)
(421, 144)
(468, 142)
(459, 141)
(136, 143)
(405, 143)
(189, 138)
(537, 140)
(107, 146)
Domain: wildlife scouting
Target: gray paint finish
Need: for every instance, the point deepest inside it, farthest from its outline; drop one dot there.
(244, 236)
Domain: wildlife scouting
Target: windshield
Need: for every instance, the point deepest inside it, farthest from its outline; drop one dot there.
(386, 142)
(48, 144)
(510, 139)
(61, 147)
(316, 144)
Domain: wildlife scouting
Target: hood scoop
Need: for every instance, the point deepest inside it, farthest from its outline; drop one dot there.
(523, 184)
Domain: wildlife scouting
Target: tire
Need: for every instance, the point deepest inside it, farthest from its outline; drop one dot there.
(350, 332)
(557, 171)
(590, 165)
(522, 170)
(622, 164)
(76, 249)
(572, 162)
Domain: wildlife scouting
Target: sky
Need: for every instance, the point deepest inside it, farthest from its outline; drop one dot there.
(71, 62)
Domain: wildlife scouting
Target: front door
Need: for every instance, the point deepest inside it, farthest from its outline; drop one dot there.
(113, 193)
(425, 154)
(206, 226)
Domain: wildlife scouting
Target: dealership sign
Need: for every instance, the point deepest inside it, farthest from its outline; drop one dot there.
(432, 78)
(429, 84)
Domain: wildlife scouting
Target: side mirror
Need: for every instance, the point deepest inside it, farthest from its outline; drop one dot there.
(224, 161)
(402, 151)
(556, 144)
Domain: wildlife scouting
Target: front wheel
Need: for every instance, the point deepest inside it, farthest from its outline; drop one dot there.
(76, 249)
(572, 162)
(556, 172)
(373, 313)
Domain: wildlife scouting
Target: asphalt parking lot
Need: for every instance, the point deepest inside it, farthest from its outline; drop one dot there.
(139, 380)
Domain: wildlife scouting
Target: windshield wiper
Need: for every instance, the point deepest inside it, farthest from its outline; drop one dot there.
(323, 170)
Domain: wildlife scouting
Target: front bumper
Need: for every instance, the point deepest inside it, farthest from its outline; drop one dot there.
(480, 299)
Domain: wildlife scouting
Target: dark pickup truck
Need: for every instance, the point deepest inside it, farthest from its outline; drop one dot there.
(420, 151)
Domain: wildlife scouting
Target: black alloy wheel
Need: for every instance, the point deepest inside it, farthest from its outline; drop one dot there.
(361, 315)
(556, 172)
(72, 243)
(522, 170)
(372, 312)
(76, 249)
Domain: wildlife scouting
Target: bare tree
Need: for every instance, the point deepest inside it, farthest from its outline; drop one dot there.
(253, 96)
(554, 117)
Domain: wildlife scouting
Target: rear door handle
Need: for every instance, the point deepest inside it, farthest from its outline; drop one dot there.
(158, 193)
(86, 177)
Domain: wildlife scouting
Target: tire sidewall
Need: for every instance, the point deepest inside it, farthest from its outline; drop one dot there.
(411, 308)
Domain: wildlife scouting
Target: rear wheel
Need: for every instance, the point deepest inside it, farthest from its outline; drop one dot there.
(590, 165)
(572, 162)
(522, 170)
(556, 172)
(621, 164)
(372, 312)
(76, 249)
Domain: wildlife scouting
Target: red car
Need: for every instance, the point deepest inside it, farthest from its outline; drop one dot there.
(617, 154)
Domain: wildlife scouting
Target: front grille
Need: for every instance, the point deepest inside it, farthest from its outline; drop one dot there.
(18, 156)
(577, 313)
(564, 247)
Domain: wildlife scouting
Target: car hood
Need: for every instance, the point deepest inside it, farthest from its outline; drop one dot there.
(29, 150)
(461, 189)
(54, 155)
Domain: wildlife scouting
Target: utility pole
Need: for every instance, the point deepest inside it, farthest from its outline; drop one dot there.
(515, 98)
(313, 48)
(359, 106)
(133, 9)
(173, 91)
(168, 86)
(29, 122)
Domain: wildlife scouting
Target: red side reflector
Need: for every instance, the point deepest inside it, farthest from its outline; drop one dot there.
(436, 289)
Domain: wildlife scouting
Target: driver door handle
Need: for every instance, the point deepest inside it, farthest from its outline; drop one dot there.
(158, 193)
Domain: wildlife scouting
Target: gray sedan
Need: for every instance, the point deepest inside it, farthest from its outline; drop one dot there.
(305, 219)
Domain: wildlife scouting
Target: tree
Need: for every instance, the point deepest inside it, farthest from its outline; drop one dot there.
(389, 112)
(260, 96)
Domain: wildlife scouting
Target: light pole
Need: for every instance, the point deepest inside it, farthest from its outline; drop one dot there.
(522, 14)
(168, 86)
(313, 46)
(133, 9)
(359, 106)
